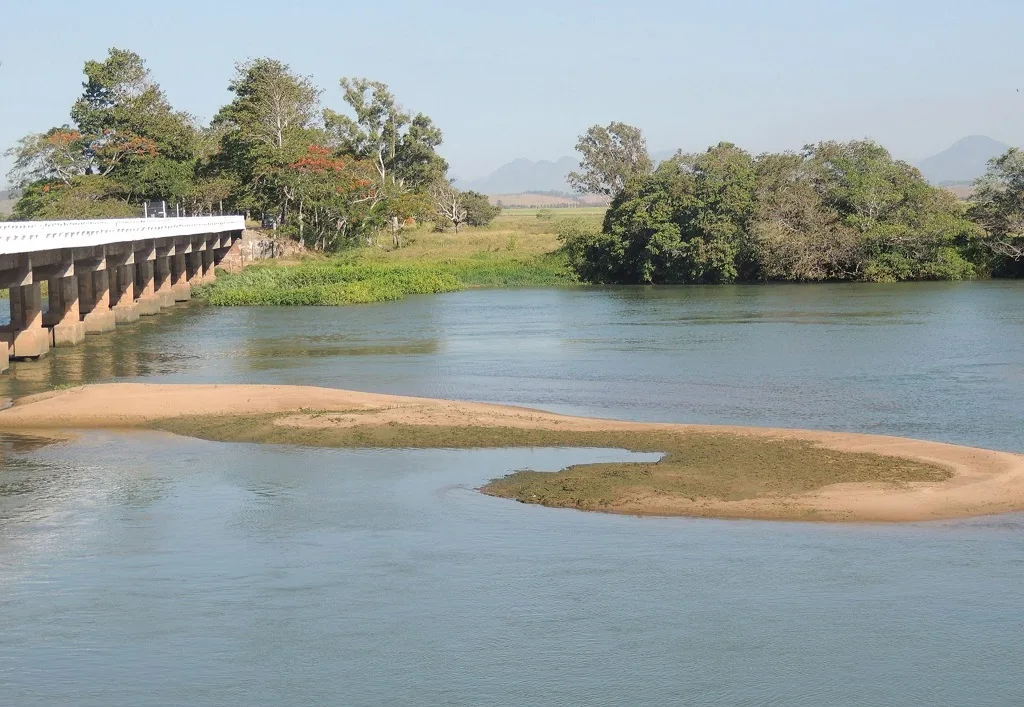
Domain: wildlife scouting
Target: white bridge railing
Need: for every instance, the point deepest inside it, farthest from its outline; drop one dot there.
(29, 236)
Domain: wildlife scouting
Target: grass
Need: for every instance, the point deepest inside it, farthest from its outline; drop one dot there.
(696, 465)
(513, 251)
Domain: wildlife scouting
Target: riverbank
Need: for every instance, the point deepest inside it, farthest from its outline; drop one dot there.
(714, 471)
(516, 250)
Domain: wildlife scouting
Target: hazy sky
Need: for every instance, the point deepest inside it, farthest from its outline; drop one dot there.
(524, 79)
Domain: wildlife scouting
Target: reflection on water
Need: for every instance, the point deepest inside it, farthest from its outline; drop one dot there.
(150, 570)
(147, 570)
(942, 361)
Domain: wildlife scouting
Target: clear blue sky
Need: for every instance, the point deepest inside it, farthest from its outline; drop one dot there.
(523, 79)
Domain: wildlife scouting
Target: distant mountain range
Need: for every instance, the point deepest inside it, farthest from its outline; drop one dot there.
(962, 163)
(522, 175)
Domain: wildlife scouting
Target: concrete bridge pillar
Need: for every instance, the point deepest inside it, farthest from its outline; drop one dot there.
(25, 336)
(162, 281)
(122, 302)
(208, 266)
(179, 280)
(194, 267)
(145, 288)
(94, 302)
(64, 317)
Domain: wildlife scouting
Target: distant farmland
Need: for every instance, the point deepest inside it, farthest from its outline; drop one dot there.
(546, 201)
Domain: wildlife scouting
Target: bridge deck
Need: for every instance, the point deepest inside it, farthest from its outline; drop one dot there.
(29, 236)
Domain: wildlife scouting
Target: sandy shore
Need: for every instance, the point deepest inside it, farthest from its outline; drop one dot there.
(983, 482)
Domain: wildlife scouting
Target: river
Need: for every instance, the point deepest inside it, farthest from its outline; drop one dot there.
(148, 570)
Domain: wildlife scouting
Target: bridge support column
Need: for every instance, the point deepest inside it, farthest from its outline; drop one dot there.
(64, 317)
(122, 304)
(162, 281)
(208, 271)
(179, 281)
(145, 288)
(25, 336)
(5, 355)
(194, 266)
(94, 301)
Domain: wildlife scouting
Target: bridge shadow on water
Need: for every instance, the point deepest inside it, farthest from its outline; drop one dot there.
(153, 346)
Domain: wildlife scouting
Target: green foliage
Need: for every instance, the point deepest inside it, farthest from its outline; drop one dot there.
(400, 146)
(88, 197)
(121, 98)
(838, 211)
(269, 124)
(612, 156)
(999, 209)
(332, 284)
(356, 281)
(479, 211)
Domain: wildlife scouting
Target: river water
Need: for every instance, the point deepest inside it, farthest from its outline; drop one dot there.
(144, 569)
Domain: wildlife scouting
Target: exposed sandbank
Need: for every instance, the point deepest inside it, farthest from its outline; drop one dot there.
(964, 481)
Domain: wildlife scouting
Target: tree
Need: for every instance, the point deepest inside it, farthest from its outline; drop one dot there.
(448, 205)
(121, 99)
(794, 235)
(999, 208)
(84, 197)
(907, 229)
(612, 156)
(479, 211)
(55, 156)
(268, 125)
(837, 211)
(400, 146)
(686, 221)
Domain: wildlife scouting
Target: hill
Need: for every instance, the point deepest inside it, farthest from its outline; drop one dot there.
(522, 175)
(962, 163)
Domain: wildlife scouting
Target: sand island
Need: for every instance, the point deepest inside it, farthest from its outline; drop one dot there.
(711, 471)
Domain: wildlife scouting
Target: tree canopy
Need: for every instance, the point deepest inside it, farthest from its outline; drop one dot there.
(328, 178)
(612, 156)
(835, 211)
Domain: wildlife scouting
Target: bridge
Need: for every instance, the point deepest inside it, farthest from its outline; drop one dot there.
(100, 274)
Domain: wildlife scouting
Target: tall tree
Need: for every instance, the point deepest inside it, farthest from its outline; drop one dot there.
(268, 125)
(120, 98)
(612, 156)
(401, 146)
(57, 155)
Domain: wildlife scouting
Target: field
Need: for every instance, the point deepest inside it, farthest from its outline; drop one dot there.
(516, 250)
(588, 212)
(546, 200)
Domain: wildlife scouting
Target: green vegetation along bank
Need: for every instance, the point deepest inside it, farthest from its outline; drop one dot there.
(831, 212)
(514, 251)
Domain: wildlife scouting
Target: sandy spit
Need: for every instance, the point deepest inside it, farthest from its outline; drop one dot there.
(984, 482)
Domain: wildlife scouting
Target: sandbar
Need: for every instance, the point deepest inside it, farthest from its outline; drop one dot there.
(964, 481)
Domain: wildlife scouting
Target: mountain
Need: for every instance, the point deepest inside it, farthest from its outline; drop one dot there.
(524, 175)
(963, 162)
